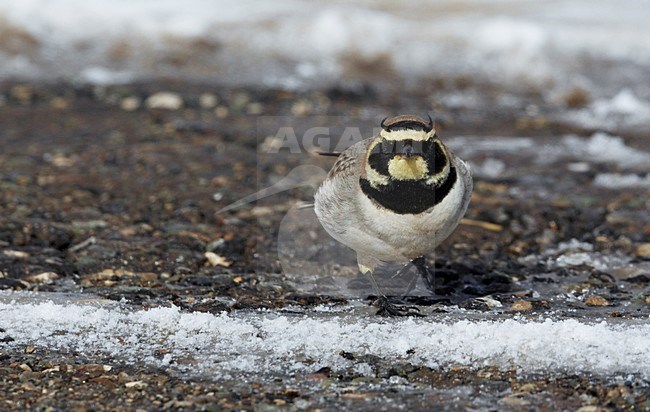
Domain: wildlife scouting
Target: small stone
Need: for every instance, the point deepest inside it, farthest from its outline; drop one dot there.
(301, 108)
(165, 101)
(147, 276)
(528, 388)
(221, 112)
(59, 103)
(216, 260)
(647, 300)
(130, 104)
(490, 302)
(25, 367)
(591, 408)
(643, 250)
(23, 93)
(255, 108)
(578, 167)
(59, 159)
(45, 278)
(522, 305)
(135, 384)
(56, 368)
(208, 100)
(594, 300)
(16, 254)
(576, 97)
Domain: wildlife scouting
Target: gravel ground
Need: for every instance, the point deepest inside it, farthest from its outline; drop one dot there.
(108, 192)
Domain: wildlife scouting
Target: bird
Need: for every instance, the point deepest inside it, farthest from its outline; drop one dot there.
(395, 197)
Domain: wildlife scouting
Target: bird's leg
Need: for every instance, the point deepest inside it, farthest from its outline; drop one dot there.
(406, 269)
(428, 276)
(388, 308)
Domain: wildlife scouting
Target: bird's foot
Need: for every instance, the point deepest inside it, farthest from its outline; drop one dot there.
(388, 308)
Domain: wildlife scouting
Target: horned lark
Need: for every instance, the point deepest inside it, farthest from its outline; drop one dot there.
(395, 197)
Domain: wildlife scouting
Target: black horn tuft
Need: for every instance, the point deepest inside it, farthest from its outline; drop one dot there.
(383, 124)
(430, 124)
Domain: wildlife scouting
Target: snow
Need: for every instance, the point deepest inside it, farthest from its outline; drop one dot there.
(272, 342)
(623, 109)
(551, 45)
(577, 253)
(602, 147)
(620, 181)
(598, 148)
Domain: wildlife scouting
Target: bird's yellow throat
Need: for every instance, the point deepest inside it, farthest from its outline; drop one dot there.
(411, 168)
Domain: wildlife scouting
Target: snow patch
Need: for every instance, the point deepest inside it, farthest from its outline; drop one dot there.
(576, 253)
(624, 109)
(619, 181)
(602, 147)
(517, 44)
(269, 342)
(599, 147)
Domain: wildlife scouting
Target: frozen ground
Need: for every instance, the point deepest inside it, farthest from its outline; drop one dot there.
(280, 344)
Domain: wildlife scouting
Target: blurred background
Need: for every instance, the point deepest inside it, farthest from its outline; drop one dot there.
(590, 57)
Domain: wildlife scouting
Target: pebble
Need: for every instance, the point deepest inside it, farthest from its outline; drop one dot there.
(59, 103)
(135, 384)
(594, 300)
(591, 408)
(301, 108)
(23, 93)
(42, 278)
(25, 367)
(255, 108)
(216, 260)
(165, 101)
(130, 104)
(643, 250)
(221, 112)
(208, 101)
(522, 305)
(16, 254)
(491, 303)
(576, 97)
(528, 388)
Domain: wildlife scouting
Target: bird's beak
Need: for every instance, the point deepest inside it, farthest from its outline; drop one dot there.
(407, 150)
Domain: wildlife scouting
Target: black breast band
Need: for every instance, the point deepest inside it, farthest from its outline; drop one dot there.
(407, 196)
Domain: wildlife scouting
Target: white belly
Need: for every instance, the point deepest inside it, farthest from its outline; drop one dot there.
(409, 236)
